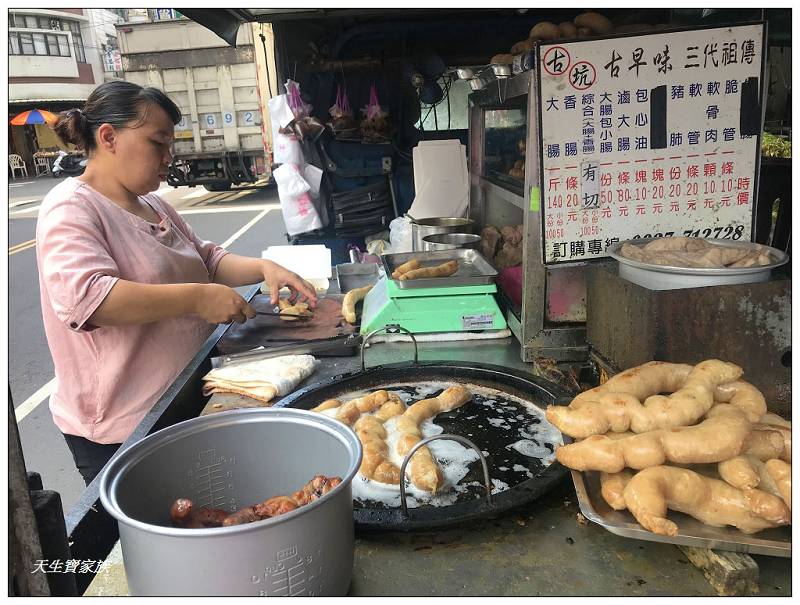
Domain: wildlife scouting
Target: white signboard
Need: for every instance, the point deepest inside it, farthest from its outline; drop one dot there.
(649, 136)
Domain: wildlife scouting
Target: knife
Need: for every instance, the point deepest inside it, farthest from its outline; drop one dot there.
(278, 314)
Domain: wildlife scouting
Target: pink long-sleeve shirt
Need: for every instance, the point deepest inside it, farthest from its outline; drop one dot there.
(108, 378)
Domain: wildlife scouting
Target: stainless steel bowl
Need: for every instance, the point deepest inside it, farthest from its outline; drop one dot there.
(231, 460)
(501, 71)
(451, 241)
(433, 226)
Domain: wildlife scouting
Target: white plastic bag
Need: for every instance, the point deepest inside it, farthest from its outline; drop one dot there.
(400, 235)
(290, 181)
(287, 150)
(299, 214)
(280, 114)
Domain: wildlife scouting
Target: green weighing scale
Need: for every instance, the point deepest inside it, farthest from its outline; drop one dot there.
(457, 305)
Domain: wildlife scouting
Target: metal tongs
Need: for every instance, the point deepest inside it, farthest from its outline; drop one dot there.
(338, 346)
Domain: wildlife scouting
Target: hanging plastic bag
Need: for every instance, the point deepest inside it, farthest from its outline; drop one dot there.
(287, 150)
(341, 107)
(290, 181)
(373, 109)
(280, 114)
(375, 127)
(299, 108)
(342, 121)
(299, 214)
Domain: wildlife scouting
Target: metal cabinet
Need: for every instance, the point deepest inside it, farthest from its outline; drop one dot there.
(550, 317)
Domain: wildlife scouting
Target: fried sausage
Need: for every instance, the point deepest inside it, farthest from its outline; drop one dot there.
(407, 266)
(443, 270)
(349, 303)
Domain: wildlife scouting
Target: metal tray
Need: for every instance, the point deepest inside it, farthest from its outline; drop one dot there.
(667, 277)
(473, 270)
(776, 542)
(356, 275)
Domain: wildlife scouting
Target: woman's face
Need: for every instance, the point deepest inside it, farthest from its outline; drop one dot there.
(143, 153)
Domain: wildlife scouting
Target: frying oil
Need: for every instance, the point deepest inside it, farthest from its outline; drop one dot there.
(530, 435)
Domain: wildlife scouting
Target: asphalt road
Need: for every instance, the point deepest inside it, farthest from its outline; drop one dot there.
(216, 216)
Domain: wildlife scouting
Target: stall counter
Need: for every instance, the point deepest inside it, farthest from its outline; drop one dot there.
(543, 548)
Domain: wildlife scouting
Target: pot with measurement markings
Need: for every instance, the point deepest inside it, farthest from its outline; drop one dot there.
(231, 460)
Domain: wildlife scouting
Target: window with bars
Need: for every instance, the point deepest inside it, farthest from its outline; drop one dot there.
(20, 43)
(77, 40)
(54, 45)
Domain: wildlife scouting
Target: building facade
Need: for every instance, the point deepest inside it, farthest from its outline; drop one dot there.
(56, 58)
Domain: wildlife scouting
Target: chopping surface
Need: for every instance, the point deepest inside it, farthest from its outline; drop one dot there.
(263, 331)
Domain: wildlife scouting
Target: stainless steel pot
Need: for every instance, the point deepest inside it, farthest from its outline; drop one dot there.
(432, 226)
(230, 460)
(451, 241)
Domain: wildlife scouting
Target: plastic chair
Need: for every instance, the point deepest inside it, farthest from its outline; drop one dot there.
(41, 164)
(16, 163)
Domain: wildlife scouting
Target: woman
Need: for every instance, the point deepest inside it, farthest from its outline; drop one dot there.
(129, 292)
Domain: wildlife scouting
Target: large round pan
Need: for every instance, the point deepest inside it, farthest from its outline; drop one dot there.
(527, 477)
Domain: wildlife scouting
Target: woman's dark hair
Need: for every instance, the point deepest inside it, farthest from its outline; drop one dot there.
(121, 104)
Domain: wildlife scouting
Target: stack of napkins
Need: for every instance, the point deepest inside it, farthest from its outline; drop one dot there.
(262, 379)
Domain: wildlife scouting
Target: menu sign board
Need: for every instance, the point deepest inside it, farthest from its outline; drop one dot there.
(649, 136)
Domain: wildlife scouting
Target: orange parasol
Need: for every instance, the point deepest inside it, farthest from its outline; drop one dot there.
(34, 116)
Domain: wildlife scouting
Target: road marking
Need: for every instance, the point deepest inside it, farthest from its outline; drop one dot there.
(22, 202)
(25, 211)
(244, 229)
(34, 400)
(20, 247)
(21, 184)
(198, 193)
(236, 209)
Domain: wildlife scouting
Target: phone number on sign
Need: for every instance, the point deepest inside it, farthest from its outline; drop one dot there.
(728, 232)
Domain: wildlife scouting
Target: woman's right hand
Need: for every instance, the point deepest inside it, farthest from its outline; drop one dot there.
(219, 304)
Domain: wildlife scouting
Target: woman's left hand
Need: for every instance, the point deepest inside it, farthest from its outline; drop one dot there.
(277, 277)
